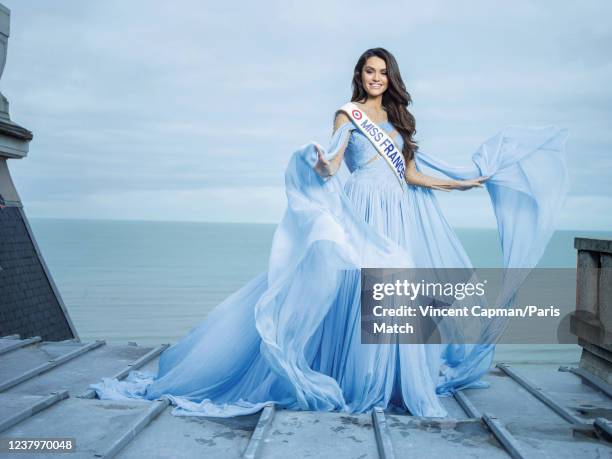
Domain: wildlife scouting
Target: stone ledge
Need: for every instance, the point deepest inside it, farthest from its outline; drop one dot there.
(593, 245)
(590, 329)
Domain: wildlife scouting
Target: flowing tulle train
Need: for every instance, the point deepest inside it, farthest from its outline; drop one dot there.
(291, 336)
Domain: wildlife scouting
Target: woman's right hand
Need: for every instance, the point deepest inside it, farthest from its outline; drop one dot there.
(323, 167)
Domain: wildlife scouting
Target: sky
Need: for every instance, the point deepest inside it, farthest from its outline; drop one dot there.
(190, 110)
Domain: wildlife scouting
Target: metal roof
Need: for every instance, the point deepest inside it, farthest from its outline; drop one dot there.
(530, 410)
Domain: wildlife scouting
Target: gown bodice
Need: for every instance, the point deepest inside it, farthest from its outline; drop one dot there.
(367, 168)
(360, 151)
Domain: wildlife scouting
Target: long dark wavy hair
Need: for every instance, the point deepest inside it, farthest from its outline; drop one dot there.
(395, 99)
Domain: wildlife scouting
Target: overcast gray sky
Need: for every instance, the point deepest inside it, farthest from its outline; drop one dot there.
(139, 108)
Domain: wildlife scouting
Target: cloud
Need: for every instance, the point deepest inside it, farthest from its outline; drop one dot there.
(182, 98)
(216, 204)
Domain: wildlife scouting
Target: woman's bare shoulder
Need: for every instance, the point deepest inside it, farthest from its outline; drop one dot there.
(341, 118)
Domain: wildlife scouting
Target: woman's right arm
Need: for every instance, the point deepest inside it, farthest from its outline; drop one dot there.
(328, 167)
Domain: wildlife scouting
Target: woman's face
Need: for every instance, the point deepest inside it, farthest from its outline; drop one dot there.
(374, 76)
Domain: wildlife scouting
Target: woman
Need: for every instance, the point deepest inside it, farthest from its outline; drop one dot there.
(292, 335)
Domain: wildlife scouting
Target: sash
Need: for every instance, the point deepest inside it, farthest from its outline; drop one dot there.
(380, 139)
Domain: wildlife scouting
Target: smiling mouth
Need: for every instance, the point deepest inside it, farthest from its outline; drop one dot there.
(375, 86)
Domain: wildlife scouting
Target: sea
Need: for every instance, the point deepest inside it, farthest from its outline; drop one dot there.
(151, 282)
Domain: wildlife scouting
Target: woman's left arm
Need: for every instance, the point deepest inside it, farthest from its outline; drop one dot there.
(414, 177)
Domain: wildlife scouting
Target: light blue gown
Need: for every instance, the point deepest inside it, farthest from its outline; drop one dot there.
(291, 335)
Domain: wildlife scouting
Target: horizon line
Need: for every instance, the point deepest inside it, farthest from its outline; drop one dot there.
(266, 223)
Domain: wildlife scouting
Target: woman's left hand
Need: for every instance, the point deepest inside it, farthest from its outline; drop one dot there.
(471, 183)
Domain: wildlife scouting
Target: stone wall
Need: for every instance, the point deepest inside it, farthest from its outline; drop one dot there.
(592, 320)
